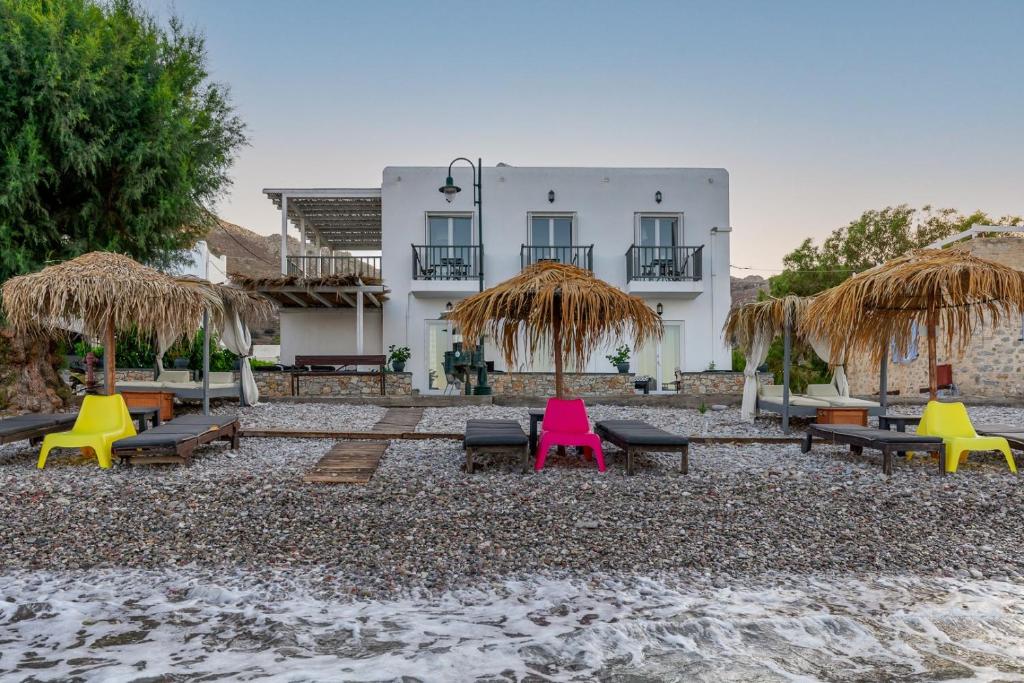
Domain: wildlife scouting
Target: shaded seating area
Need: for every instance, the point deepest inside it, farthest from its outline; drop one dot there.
(174, 442)
(858, 438)
(636, 436)
(490, 436)
(180, 383)
(831, 395)
(770, 398)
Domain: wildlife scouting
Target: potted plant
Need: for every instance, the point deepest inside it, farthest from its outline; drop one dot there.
(397, 356)
(620, 359)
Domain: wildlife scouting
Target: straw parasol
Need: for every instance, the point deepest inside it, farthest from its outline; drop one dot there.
(560, 302)
(100, 292)
(925, 287)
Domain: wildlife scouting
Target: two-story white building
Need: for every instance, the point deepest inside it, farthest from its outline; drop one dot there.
(659, 233)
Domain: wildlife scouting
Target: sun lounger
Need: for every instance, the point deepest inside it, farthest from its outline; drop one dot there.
(858, 438)
(487, 436)
(34, 426)
(174, 441)
(636, 436)
(829, 394)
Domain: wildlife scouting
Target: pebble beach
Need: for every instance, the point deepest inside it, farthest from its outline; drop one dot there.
(424, 530)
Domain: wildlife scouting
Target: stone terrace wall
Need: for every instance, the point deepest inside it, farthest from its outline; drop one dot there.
(577, 384)
(699, 383)
(991, 366)
(128, 374)
(277, 384)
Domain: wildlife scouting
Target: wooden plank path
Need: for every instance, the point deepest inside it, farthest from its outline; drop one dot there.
(354, 462)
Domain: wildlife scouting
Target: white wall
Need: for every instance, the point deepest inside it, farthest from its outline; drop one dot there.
(202, 263)
(327, 331)
(605, 201)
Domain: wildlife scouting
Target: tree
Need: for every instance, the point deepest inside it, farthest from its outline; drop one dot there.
(113, 136)
(874, 238)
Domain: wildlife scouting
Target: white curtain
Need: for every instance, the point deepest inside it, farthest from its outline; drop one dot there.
(164, 340)
(824, 350)
(234, 335)
(755, 355)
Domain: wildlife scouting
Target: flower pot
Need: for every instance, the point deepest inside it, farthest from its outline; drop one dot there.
(623, 368)
(398, 365)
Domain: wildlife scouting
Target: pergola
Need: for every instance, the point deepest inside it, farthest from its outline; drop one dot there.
(336, 219)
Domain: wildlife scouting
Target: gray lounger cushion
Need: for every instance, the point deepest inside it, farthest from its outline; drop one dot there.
(494, 433)
(207, 420)
(1000, 429)
(150, 439)
(23, 423)
(878, 435)
(639, 433)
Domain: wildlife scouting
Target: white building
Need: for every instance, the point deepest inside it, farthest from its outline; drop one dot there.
(660, 233)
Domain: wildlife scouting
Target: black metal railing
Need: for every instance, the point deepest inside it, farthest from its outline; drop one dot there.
(324, 266)
(674, 264)
(432, 262)
(582, 256)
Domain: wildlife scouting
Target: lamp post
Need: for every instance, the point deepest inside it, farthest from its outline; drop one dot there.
(450, 190)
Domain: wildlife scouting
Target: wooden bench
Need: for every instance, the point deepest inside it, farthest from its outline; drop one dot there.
(309, 361)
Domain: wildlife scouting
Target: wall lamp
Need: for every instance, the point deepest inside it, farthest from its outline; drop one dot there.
(657, 196)
(660, 309)
(551, 196)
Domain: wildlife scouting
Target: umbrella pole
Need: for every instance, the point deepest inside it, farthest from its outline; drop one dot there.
(556, 342)
(109, 359)
(206, 362)
(883, 379)
(786, 353)
(933, 382)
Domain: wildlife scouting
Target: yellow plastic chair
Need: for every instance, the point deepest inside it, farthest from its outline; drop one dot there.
(101, 421)
(951, 422)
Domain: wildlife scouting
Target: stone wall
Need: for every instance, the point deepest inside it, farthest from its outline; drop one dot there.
(577, 384)
(699, 383)
(277, 384)
(128, 374)
(991, 366)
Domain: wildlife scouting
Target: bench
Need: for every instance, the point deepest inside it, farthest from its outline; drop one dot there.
(636, 436)
(495, 435)
(174, 441)
(858, 438)
(311, 361)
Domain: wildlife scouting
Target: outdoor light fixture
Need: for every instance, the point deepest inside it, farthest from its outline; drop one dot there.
(449, 190)
(551, 196)
(448, 307)
(657, 196)
(659, 308)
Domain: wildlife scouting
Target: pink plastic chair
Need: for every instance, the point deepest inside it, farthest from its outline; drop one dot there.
(566, 424)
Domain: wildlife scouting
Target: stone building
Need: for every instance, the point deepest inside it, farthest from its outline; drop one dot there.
(991, 366)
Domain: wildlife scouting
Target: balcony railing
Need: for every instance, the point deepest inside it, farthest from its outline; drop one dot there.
(664, 263)
(432, 262)
(582, 256)
(324, 266)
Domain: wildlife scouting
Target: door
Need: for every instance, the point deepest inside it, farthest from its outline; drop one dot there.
(657, 240)
(450, 241)
(551, 238)
(660, 360)
(437, 343)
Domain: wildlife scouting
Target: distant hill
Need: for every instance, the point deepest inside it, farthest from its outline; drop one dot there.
(248, 253)
(746, 289)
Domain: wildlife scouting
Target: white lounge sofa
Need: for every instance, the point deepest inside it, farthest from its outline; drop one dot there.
(769, 397)
(222, 385)
(829, 393)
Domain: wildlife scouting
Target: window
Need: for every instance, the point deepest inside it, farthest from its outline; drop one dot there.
(449, 231)
(551, 231)
(657, 231)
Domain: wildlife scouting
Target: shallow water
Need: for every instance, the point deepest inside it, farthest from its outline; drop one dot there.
(138, 626)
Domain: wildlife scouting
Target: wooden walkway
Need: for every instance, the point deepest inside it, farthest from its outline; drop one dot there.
(354, 462)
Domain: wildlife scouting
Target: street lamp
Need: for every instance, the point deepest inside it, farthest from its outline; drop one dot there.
(450, 190)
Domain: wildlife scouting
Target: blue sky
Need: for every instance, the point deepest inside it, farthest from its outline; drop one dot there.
(819, 110)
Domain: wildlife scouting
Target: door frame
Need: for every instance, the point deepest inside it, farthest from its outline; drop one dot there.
(657, 388)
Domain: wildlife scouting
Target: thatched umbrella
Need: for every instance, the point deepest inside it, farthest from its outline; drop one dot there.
(752, 327)
(99, 293)
(557, 302)
(926, 287)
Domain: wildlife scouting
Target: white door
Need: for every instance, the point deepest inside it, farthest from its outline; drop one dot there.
(437, 344)
(660, 360)
(657, 238)
(555, 234)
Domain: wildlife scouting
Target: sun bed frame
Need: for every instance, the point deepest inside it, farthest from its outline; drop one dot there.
(173, 442)
(34, 426)
(488, 436)
(1014, 435)
(888, 442)
(637, 436)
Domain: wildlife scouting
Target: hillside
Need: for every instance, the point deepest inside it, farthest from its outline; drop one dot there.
(746, 289)
(248, 253)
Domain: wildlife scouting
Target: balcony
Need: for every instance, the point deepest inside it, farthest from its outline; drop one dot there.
(325, 266)
(445, 270)
(665, 270)
(581, 256)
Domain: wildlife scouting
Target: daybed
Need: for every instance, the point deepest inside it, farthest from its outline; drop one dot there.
(769, 397)
(829, 394)
(222, 385)
(174, 441)
(635, 436)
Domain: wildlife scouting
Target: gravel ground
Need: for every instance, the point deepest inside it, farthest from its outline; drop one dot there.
(421, 522)
(333, 416)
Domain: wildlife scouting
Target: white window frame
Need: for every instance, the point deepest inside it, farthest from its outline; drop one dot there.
(451, 227)
(573, 229)
(657, 233)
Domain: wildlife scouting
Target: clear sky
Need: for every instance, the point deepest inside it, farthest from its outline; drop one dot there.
(819, 110)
